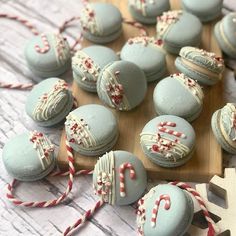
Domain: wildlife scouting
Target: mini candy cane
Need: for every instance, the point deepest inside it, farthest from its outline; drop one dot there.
(164, 197)
(161, 127)
(143, 31)
(122, 169)
(46, 47)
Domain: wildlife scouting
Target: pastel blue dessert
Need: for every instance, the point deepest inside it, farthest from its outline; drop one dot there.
(97, 26)
(165, 210)
(119, 178)
(146, 11)
(87, 64)
(122, 85)
(200, 65)
(168, 141)
(29, 156)
(171, 28)
(223, 125)
(178, 95)
(48, 55)
(49, 102)
(147, 53)
(206, 11)
(91, 130)
(225, 34)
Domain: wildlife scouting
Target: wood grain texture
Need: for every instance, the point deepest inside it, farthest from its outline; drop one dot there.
(207, 160)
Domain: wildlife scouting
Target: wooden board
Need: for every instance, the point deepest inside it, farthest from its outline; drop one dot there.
(207, 160)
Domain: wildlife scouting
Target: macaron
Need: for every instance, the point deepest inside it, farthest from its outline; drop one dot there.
(206, 11)
(146, 11)
(168, 141)
(49, 102)
(29, 156)
(122, 85)
(48, 55)
(95, 24)
(91, 130)
(223, 125)
(147, 53)
(171, 28)
(200, 65)
(178, 95)
(87, 64)
(165, 210)
(225, 34)
(119, 178)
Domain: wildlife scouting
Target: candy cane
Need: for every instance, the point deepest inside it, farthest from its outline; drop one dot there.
(46, 47)
(164, 197)
(161, 127)
(143, 31)
(122, 169)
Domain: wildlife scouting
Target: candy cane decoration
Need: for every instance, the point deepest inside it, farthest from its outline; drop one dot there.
(46, 47)
(165, 198)
(122, 169)
(143, 31)
(161, 127)
(212, 229)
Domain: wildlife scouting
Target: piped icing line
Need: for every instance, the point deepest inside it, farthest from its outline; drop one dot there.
(114, 90)
(163, 197)
(79, 132)
(82, 62)
(105, 172)
(162, 128)
(44, 148)
(123, 167)
(192, 86)
(141, 5)
(48, 101)
(46, 45)
(165, 21)
(88, 20)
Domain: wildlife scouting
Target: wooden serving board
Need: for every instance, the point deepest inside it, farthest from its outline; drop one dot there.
(207, 160)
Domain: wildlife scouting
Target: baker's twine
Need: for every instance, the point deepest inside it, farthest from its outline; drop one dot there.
(212, 228)
(139, 26)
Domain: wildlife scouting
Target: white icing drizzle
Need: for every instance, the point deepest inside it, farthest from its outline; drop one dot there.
(88, 20)
(166, 20)
(44, 148)
(48, 102)
(79, 132)
(141, 5)
(147, 41)
(191, 85)
(104, 186)
(86, 65)
(168, 147)
(114, 90)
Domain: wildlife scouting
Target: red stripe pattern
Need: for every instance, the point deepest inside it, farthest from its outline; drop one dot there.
(46, 46)
(19, 86)
(140, 27)
(122, 170)
(162, 128)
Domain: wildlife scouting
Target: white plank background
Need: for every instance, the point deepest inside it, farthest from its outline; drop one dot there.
(117, 221)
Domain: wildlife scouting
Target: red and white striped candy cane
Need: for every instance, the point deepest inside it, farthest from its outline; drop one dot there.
(46, 46)
(122, 169)
(161, 127)
(139, 26)
(211, 223)
(165, 198)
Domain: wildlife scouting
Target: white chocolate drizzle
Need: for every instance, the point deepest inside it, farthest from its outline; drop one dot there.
(141, 5)
(147, 41)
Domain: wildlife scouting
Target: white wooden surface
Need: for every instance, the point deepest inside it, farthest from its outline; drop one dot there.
(117, 221)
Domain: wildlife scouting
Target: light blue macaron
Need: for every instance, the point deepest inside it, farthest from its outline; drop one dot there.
(168, 141)
(165, 210)
(122, 85)
(171, 28)
(29, 156)
(101, 22)
(200, 65)
(88, 63)
(48, 55)
(225, 34)
(146, 11)
(49, 102)
(148, 54)
(178, 95)
(91, 130)
(119, 178)
(206, 11)
(223, 125)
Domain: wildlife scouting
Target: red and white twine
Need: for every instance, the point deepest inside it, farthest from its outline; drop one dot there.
(139, 26)
(19, 86)
(161, 127)
(46, 46)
